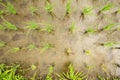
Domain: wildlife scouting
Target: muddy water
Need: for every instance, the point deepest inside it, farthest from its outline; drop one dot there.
(61, 38)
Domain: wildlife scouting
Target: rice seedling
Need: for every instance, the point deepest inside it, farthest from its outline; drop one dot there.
(32, 26)
(72, 28)
(107, 7)
(48, 28)
(31, 47)
(46, 46)
(9, 26)
(87, 52)
(33, 9)
(9, 8)
(71, 74)
(49, 7)
(49, 75)
(9, 72)
(68, 51)
(68, 8)
(109, 44)
(86, 11)
(90, 31)
(109, 27)
(33, 67)
(2, 44)
(14, 50)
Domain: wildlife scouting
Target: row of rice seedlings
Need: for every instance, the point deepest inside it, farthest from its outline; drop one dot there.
(108, 27)
(71, 74)
(11, 73)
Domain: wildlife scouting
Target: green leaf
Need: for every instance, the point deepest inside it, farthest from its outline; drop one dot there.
(14, 49)
(49, 7)
(72, 28)
(48, 28)
(68, 7)
(107, 7)
(90, 30)
(32, 25)
(10, 26)
(87, 11)
(109, 26)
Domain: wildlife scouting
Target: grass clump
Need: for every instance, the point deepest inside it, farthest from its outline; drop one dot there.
(109, 27)
(9, 73)
(49, 75)
(32, 26)
(48, 28)
(87, 11)
(9, 26)
(68, 7)
(33, 9)
(71, 74)
(46, 46)
(9, 8)
(109, 44)
(90, 31)
(87, 52)
(14, 50)
(72, 28)
(49, 7)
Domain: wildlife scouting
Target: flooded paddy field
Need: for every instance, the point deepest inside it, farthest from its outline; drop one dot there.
(57, 33)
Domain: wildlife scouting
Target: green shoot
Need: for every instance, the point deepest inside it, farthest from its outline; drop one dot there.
(87, 52)
(33, 9)
(72, 28)
(10, 26)
(87, 11)
(32, 26)
(49, 75)
(31, 46)
(46, 46)
(14, 50)
(33, 67)
(109, 27)
(9, 73)
(107, 7)
(2, 44)
(49, 7)
(68, 7)
(48, 28)
(10, 8)
(71, 74)
(90, 31)
(109, 44)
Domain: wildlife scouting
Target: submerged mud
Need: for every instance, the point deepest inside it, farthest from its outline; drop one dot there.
(62, 39)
